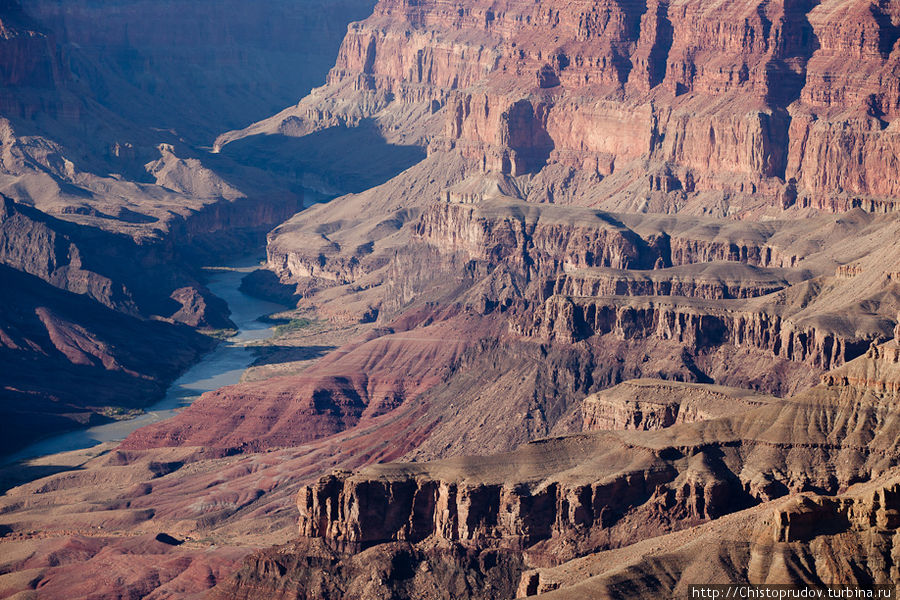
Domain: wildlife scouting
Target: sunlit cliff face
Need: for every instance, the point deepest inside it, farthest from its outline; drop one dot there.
(602, 304)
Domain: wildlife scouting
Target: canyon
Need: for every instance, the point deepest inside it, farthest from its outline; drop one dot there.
(605, 303)
(110, 207)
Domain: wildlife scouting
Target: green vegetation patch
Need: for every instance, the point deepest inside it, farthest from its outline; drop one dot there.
(120, 413)
(294, 325)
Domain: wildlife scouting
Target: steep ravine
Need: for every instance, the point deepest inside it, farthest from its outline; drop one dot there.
(222, 366)
(110, 195)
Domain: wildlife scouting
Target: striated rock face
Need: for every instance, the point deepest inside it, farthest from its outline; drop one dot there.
(30, 244)
(447, 571)
(765, 78)
(715, 281)
(653, 404)
(685, 251)
(572, 504)
(30, 67)
(603, 254)
(808, 516)
(26, 52)
(528, 237)
(752, 101)
(879, 374)
(694, 324)
(342, 509)
(850, 535)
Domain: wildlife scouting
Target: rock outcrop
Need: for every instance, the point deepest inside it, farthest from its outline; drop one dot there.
(879, 374)
(583, 495)
(67, 359)
(695, 324)
(851, 533)
(109, 196)
(31, 67)
(711, 281)
(653, 404)
(566, 195)
(746, 101)
(526, 237)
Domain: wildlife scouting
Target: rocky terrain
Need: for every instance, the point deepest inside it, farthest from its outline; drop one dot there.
(759, 491)
(110, 203)
(669, 189)
(202, 67)
(611, 292)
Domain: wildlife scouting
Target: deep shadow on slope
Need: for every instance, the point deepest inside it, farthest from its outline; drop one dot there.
(63, 355)
(200, 67)
(275, 355)
(345, 159)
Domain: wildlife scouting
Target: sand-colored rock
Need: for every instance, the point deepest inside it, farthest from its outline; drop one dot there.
(694, 323)
(653, 404)
(739, 120)
(711, 281)
(556, 499)
(543, 238)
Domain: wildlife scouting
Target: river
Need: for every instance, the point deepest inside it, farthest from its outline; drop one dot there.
(223, 366)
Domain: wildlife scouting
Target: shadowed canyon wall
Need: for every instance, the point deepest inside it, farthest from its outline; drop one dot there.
(107, 196)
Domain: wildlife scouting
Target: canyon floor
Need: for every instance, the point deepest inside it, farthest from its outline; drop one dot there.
(574, 299)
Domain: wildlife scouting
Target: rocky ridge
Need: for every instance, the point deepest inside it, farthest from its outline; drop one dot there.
(756, 109)
(653, 404)
(564, 498)
(543, 162)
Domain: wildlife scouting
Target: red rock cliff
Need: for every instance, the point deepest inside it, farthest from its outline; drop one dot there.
(754, 101)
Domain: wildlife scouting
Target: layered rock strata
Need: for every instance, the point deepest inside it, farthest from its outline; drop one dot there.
(695, 324)
(68, 361)
(577, 495)
(653, 404)
(759, 112)
(714, 281)
(739, 112)
(109, 194)
(772, 541)
(529, 237)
